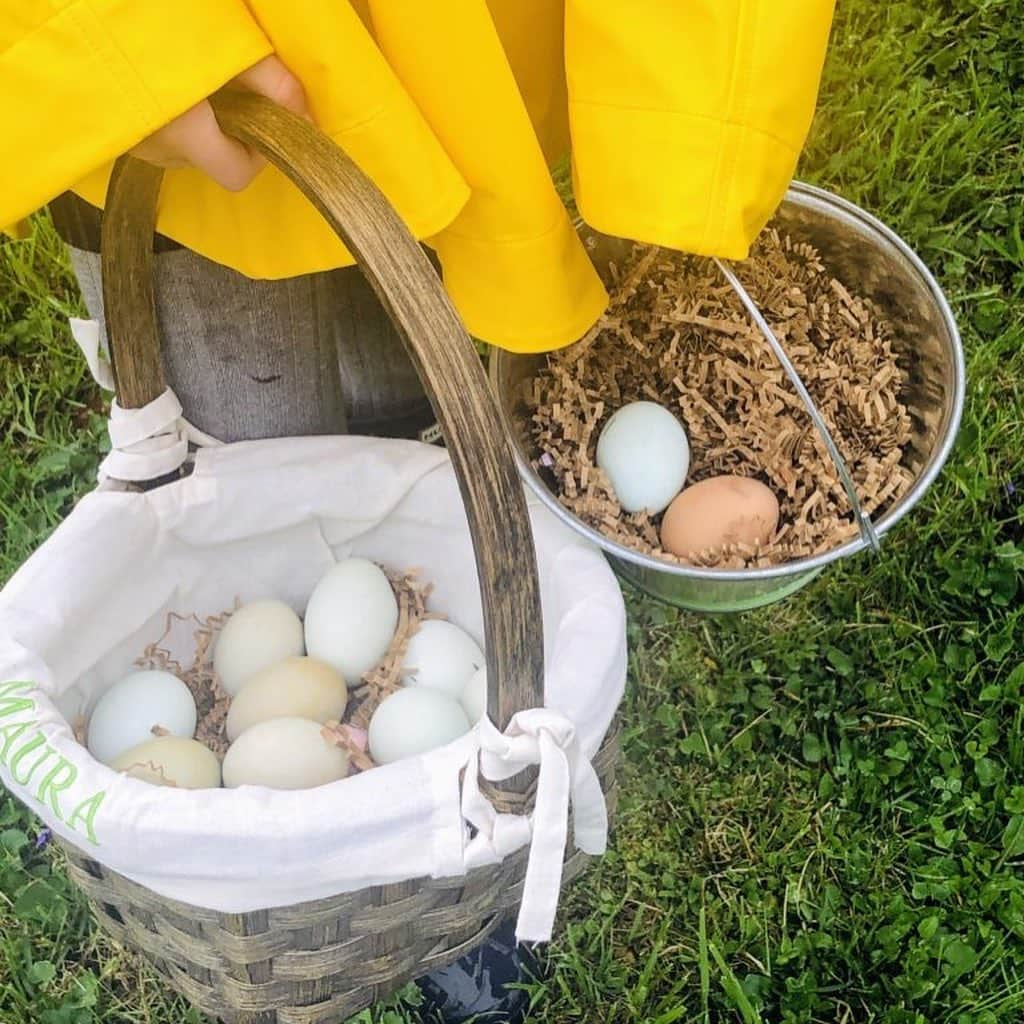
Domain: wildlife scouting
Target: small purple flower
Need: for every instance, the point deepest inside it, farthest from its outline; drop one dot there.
(43, 838)
(1011, 489)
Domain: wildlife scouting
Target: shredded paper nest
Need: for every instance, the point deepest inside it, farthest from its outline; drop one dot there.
(675, 333)
(212, 702)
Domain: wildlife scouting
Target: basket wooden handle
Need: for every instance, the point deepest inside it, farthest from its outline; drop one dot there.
(443, 353)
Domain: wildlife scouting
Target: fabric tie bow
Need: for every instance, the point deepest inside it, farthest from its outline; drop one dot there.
(543, 737)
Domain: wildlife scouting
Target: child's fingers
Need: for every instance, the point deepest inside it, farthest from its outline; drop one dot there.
(195, 139)
(270, 77)
(153, 153)
(160, 149)
(206, 147)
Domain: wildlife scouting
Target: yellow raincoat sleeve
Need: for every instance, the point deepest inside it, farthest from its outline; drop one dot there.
(512, 261)
(82, 81)
(688, 117)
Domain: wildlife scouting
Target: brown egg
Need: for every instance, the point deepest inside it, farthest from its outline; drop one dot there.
(717, 512)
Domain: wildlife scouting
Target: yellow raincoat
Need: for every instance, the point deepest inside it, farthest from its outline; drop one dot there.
(685, 118)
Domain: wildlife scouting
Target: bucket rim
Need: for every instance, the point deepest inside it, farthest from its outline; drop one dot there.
(797, 191)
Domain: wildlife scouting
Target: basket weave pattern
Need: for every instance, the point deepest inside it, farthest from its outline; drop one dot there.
(322, 961)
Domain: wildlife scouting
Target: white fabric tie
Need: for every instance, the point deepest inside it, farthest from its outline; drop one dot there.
(543, 737)
(89, 338)
(145, 443)
(149, 442)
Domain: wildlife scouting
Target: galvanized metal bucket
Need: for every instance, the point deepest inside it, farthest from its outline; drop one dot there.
(872, 261)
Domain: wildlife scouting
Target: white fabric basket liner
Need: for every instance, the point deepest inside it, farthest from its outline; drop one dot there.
(266, 519)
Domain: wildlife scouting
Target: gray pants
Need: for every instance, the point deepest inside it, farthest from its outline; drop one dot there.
(247, 359)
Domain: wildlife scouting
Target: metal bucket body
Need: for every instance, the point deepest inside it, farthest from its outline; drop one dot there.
(870, 260)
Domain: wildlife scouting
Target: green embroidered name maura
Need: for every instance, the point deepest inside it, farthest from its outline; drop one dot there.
(33, 764)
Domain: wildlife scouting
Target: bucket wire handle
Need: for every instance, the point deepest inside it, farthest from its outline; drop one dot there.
(867, 527)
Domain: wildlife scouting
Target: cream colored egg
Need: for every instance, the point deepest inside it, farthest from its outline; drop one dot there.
(126, 714)
(171, 761)
(284, 753)
(256, 636)
(413, 721)
(441, 656)
(351, 618)
(718, 512)
(293, 688)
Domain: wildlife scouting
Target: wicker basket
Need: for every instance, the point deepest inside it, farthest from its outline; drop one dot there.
(317, 962)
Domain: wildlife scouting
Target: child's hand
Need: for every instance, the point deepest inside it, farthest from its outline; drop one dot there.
(195, 140)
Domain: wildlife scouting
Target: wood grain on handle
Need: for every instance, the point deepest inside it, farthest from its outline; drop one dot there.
(443, 353)
(126, 271)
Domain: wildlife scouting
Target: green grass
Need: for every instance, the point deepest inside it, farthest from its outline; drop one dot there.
(51, 430)
(823, 807)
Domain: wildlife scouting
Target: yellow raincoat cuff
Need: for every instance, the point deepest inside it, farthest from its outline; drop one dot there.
(95, 77)
(717, 183)
(520, 303)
